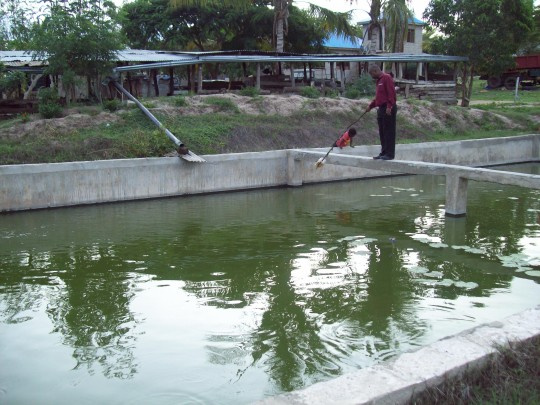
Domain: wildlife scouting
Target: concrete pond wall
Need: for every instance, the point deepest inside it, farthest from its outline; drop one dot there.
(35, 186)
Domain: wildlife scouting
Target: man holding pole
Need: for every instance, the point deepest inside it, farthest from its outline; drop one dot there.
(385, 100)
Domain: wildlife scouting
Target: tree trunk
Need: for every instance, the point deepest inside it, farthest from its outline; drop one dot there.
(31, 87)
(279, 34)
(466, 84)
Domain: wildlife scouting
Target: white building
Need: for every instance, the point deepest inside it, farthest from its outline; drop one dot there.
(373, 43)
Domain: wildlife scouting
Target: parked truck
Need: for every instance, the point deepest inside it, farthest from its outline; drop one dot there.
(527, 69)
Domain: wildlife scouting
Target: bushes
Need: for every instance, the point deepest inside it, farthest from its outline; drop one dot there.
(361, 87)
(111, 105)
(250, 91)
(49, 103)
(310, 92)
(180, 101)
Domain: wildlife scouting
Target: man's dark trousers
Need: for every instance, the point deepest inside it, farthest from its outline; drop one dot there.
(387, 130)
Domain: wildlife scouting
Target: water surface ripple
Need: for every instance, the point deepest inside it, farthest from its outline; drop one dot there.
(229, 298)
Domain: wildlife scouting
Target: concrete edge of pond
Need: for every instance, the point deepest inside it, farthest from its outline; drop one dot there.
(395, 381)
(50, 185)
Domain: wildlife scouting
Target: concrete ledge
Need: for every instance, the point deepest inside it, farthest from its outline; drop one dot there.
(395, 381)
(25, 187)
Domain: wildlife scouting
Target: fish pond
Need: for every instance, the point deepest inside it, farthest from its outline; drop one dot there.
(230, 298)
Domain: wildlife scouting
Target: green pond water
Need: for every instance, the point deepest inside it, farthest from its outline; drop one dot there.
(229, 298)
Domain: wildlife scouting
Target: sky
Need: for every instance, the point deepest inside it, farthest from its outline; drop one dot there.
(361, 7)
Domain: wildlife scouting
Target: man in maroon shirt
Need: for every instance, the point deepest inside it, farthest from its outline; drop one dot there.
(385, 100)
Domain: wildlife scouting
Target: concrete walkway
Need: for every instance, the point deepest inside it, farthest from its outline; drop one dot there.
(456, 176)
(395, 381)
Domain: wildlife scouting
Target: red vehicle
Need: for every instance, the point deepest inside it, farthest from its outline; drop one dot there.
(527, 69)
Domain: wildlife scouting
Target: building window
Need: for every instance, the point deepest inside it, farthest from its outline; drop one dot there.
(410, 35)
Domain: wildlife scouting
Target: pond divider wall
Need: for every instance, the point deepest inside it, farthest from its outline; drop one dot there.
(35, 186)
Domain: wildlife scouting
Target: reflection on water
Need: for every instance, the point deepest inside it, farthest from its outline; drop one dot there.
(229, 298)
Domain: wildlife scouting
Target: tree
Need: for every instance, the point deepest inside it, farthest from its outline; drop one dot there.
(488, 32)
(15, 24)
(396, 15)
(338, 22)
(395, 18)
(154, 25)
(78, 38)
(532, 43)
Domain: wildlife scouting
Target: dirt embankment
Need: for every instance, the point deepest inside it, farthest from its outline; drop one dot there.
(278, 121)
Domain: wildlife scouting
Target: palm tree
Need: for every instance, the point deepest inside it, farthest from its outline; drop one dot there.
(396, 16)
(333, 21)
(374, 21)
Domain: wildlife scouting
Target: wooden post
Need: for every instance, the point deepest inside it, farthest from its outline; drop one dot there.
(332, 73)
(128, 77)
(258, 82)
(154, 78)
(343, 75)
(426, 69)
(305, 72)
(418, 67)
(199, 78)
(293, 80)
(171, 81)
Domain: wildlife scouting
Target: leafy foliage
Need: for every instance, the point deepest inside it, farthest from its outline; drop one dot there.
(152, 24)
(16, 24)
(49, 105)
(223, 104)
(279, 22)
(396, 14)
(489, 32)
(12, 81)
(250, 91)
(111, 105)
(361, 87)
(310, 92)
(77, 38)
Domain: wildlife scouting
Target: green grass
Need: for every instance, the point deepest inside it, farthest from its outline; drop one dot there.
(502, 95)
(511, 377)
(133, 135)
(223, 104)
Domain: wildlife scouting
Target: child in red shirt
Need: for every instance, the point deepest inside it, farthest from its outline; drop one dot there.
(345, 139)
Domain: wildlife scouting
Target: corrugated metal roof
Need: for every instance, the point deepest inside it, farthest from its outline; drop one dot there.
(141, 55)
(262, 57)
(146, 59)
(16, 56)
(13, 58)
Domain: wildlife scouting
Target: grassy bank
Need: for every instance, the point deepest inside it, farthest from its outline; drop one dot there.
(228, 123)
(511, 377)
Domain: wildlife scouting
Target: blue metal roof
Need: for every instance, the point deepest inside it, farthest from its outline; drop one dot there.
(336, 41)
(412, 20)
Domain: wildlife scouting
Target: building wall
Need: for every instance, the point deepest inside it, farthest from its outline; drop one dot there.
(416, 46)
(410, 48)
